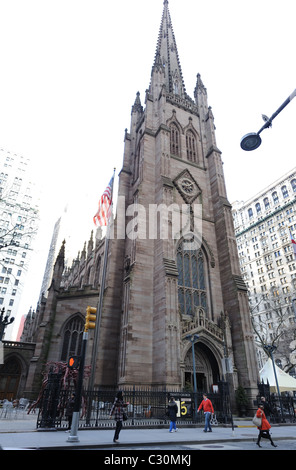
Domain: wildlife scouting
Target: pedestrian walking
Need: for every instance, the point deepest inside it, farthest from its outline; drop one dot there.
(69, 410)
(172, 414)
(119, 414)
(265, 426)
(266, 408)
(208, 410)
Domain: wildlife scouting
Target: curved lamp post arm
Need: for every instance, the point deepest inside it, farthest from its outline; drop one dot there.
(253, 140)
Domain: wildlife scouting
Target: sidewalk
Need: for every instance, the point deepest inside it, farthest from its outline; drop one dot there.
(22, 434)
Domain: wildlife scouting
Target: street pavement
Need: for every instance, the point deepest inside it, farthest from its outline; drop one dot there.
(22, 434)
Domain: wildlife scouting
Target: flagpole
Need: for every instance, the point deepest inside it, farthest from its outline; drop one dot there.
(293, 244)
(100, 303)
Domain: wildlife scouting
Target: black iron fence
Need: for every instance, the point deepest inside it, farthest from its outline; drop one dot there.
(146, 407)
(279, 409)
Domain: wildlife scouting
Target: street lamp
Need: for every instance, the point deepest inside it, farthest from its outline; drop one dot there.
(4, 321)
(270, 350)
(253, 140)
(192, 339)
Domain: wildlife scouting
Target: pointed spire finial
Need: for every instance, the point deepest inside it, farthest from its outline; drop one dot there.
(167, 55)
(137, 107)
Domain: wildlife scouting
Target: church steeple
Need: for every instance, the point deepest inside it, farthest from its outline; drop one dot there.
(167, 55)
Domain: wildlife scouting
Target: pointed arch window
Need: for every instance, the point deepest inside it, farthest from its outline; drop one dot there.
(175, 140)
(72, 339)
(192, 290)
(191, 147)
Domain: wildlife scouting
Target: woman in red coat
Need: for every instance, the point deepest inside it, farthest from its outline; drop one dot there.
(265, 426)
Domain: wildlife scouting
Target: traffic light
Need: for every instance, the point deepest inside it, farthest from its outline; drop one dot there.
(73, 362)
(90, 319)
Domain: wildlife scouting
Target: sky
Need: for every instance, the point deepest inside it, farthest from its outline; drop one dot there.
(70, 71)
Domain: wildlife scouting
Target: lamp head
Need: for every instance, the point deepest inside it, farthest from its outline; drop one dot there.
(251, 141)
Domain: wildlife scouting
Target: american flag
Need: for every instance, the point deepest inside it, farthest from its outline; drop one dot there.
(105, 204)
(293, 243)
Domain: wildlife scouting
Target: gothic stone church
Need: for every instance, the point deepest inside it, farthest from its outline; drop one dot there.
(157, 291)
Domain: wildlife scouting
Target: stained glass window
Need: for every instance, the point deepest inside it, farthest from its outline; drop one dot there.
(191, 147)
(191, 280)
(175, 140)
(72, 338)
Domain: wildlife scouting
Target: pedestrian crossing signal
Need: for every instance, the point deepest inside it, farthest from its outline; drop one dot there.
(90, 320)
(73, 362)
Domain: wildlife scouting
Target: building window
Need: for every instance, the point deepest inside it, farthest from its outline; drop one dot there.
(72, 340)
(275, 197)
(191, 280)
(191, 147)
(175, 140)
(137, 163)
(258, 208)
(293, 184)
(285, 192)
(266, 203)
(250, 212)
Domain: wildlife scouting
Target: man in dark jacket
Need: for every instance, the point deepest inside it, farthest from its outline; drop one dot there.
(172, 414)
(267, 408)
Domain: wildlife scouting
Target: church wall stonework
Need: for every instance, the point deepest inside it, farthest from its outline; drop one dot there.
(157, 292)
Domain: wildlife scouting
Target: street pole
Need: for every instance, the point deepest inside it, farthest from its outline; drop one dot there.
(4, 321)
(75, 420)
(271, 349)
(99, 310)
(192, 339)
(101, 298)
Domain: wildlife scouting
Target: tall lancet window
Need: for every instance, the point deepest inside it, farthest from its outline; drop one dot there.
(192, 291)
(191, 147)
(175, 140)
(72, 337)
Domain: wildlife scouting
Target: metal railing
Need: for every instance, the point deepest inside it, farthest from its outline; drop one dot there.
(146, 407)
(282, 409)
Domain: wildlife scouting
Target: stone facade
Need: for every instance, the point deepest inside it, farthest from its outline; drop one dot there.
(171, 158)
(160, 288)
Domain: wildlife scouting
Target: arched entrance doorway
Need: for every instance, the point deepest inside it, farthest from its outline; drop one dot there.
(10, 374)
(206, 368)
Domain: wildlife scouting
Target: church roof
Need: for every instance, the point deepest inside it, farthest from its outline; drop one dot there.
(167, 54)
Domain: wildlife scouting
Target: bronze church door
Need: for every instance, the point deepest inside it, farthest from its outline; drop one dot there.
(10, 374)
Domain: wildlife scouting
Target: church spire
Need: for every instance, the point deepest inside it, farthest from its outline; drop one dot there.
(167, 55)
